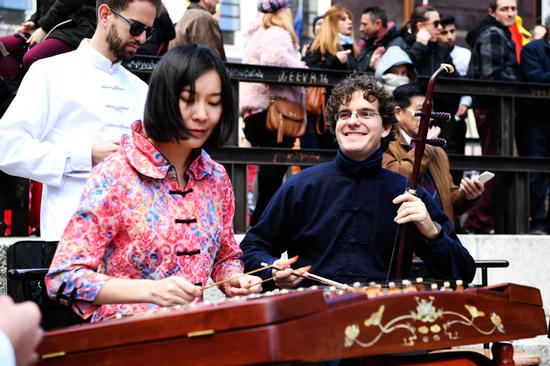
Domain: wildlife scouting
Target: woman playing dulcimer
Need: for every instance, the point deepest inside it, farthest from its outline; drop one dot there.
(155, 220)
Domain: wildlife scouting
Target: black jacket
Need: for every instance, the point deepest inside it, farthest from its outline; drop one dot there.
(68, 20)
(363, 60)
(493, 52)
(314, 60)
(426, 59)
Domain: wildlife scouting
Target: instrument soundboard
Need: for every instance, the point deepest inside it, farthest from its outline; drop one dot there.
(304, 325)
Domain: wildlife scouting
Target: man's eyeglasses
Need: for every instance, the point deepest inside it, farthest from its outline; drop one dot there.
(136, 28)
(362, 115)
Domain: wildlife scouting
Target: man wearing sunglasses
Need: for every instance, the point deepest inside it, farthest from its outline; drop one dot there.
(420, 42)
(71, 110)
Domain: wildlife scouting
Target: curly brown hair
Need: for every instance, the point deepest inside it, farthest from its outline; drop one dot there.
(360, 82)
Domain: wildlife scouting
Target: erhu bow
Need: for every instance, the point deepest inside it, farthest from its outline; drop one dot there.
(426, 117)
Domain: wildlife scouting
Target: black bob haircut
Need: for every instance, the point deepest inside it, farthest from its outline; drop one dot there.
(178, 68)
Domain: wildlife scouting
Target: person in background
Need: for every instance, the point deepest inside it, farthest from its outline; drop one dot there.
(198, 26)
(538, 32)
(57, 27)
(82, 102)
(341, 218)
(394, 69)
(378, 36)
(163, 33)
(493, 58)
(272, 42)
(20, 332)
(419, 38)
(454, 131)
(156, 218)
(316, 27)
(533, 136)
(434, 169)
(333, 48)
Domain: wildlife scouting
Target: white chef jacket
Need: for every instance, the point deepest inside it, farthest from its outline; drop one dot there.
(7, 356)
(65, 104)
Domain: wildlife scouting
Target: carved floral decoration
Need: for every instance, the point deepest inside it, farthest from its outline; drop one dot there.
(435, 324)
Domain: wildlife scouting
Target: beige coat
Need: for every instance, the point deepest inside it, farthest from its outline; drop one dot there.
(197, 26)
(399, 158)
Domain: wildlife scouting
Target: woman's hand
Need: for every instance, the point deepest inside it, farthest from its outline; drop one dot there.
(412, 209)
(343, 56)
(36, 37)
(243, 285)
(173, 291)
(26, 27)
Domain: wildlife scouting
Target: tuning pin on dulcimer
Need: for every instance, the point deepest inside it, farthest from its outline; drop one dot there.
(446, 286)
(392, 289)
(419, 284)
(459, 286)
(373, 290)
(408, 286)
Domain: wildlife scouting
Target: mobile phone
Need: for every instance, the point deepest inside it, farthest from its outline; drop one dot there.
(485, 177)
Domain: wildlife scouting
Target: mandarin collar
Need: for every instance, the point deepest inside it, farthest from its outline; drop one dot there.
(96, 58)
(360, 169)
(144, 157)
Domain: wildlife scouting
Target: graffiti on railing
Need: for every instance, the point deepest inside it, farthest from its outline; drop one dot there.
(302, 77)
(244, 73)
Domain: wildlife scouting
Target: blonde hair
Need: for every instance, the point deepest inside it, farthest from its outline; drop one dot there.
(327, 40)
(281, 19)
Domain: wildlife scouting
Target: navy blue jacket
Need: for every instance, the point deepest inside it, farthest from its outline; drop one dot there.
(535, 61)
(338, 217)
(535, 67)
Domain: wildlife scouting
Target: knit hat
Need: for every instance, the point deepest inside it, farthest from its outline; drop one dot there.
(272, 6)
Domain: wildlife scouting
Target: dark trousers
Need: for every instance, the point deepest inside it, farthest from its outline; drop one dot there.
(19, 60)
(269, 177)
(481, 218)
(533, 139)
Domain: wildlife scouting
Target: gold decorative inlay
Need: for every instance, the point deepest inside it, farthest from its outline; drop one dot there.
(437, 324)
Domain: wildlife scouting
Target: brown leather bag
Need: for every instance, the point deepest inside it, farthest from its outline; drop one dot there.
(285, 118)
(315, 105)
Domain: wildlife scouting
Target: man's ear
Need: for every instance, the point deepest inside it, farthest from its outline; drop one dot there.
(397, 110)
(386, 130)
(491, 12)
(102, 13)
(378, 23)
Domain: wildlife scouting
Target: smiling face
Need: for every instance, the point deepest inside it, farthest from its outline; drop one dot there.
(505, 13)
(360, 138)
(202, 111)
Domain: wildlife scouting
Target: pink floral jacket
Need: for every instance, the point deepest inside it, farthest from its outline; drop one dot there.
(135, 222)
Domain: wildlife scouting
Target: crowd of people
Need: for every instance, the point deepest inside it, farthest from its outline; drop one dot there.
(144, 216)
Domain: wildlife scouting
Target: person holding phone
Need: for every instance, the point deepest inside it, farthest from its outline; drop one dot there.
(434, 170)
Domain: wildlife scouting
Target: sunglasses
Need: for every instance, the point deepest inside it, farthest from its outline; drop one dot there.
(136, 28)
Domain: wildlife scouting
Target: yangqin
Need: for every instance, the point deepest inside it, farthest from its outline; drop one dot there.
(301, 326)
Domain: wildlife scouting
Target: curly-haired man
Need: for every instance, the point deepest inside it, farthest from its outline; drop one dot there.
(342, 217)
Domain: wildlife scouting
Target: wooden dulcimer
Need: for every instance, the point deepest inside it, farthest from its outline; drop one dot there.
(302, 326)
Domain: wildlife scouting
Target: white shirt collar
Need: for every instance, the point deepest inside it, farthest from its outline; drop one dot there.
(405, 136)
(96, 58)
